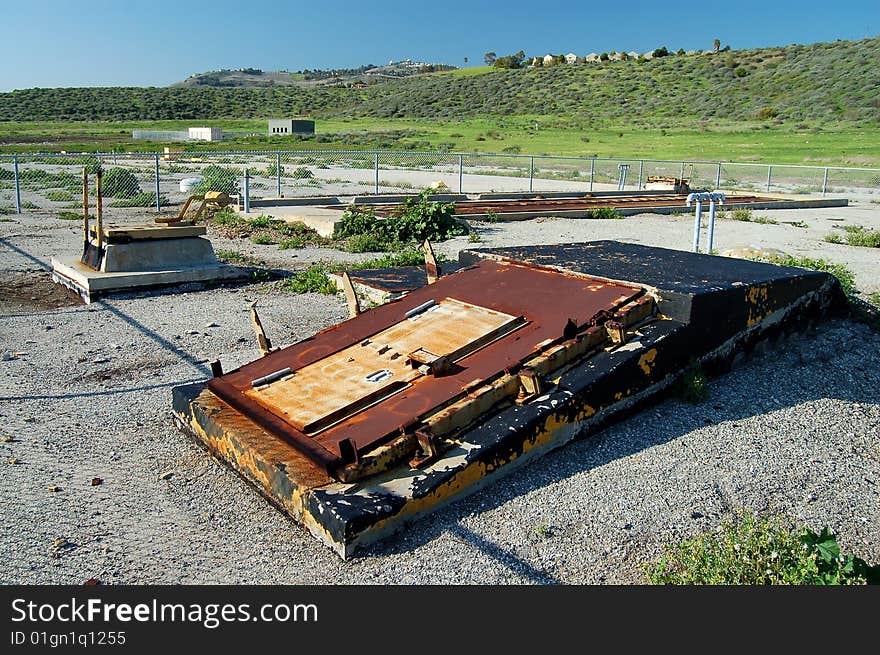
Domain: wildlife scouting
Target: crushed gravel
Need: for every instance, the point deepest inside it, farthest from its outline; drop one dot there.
(85, 392)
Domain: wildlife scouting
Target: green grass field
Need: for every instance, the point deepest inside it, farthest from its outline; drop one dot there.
(844, 145)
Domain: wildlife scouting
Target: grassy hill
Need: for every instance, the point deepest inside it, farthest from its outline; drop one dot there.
(837, 81)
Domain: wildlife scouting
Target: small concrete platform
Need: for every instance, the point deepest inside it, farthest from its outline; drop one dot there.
(91, 284)
(321, 219)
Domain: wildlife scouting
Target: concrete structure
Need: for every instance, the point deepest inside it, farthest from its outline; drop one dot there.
(205, 134)
(291, 126)
(142, 256)
(358, 463)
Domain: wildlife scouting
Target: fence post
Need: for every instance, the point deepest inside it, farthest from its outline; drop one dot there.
(17, 184)
(718, 177)
(681, 177)
(377, 173)
(158, 201)
(592, 172)
(247, 191)
(769, 174)
(460, 173)
(825, 183)
(278, 174)
(531, 173)
(641, 166)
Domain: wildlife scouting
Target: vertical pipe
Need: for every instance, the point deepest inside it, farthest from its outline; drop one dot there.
(85, 188)
(697, 218)
(247, 191)
(99, 213)
(641, 166)
(711, 225)
(592, 171)
(17, 185)
(825, 183)
(278, 174)
(377, 173)
(769, 173)
(158, 201)
(460, 173)
(531, 173)
(718, 178)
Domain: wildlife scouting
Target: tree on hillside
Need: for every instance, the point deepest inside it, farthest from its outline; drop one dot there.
(510, 61)
(489, 58)
(465, 60)
(716, 45)
(661, 52)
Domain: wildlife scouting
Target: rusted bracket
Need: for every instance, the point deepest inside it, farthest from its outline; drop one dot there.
(429, 448)
(263, 343)
(348, 452)
(432, 269)
(354, 305)
(616, 332)
(438, 364)
(531, 385)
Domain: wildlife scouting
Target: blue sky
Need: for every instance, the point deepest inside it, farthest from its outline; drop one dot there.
(47, 43)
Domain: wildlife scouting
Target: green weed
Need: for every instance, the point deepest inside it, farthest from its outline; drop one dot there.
(312, 280)
(760, 551)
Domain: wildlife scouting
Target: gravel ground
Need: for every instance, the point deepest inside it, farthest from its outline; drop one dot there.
(102, 484)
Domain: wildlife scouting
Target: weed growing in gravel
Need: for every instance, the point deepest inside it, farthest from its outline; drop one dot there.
(235, 257)
(745, 215)
(760, 551)
(473, 237)
(856, 236)
(312, 280)
(604, 213)
(693, 386)
(842, 273)
(407, 257)
(71, 216)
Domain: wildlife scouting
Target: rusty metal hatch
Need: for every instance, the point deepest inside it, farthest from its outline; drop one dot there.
(379, 375)
(429, 340)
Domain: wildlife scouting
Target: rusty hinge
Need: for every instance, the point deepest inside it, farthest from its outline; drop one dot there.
(429, 448)
(531, 385)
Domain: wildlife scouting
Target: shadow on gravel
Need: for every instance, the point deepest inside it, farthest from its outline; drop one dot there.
(836, 374)
(105, 392)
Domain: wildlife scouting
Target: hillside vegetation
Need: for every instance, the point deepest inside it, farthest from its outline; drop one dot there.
(824, 82)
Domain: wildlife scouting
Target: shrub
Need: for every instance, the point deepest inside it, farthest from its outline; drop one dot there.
(120, 183)
(312, 280)
(693, 386)
(302, 173)
(604, 213)
(764, 113)
(755, 551)
(218, 178)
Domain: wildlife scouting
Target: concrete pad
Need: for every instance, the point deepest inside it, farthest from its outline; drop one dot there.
(321, 219)
(157, 255)
(90, 284)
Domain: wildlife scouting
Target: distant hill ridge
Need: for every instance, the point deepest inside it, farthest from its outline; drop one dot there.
(834, 81)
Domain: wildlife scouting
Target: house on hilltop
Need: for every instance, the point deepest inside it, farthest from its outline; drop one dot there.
(571, 58)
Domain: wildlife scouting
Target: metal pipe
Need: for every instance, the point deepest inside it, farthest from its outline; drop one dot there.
(592, 171)
(460, 173)
(718, 177)
(697, 219)
(641, 166)
(531, 173)
(99, 211)
(85, 195)
(278, 174)
(711, 226)
(769, 173)
(825, 183)
(17, 185)
(247, 191)
(158, 201)
(377, 174)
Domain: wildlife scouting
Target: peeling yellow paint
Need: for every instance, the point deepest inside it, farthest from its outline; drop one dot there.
(646, 361)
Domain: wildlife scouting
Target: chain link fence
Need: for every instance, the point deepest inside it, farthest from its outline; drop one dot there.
(53, 182)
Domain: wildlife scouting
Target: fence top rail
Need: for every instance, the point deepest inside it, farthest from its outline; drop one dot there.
(24, 157)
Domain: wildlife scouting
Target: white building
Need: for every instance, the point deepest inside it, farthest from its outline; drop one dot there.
(571, 58)
(205, 134)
